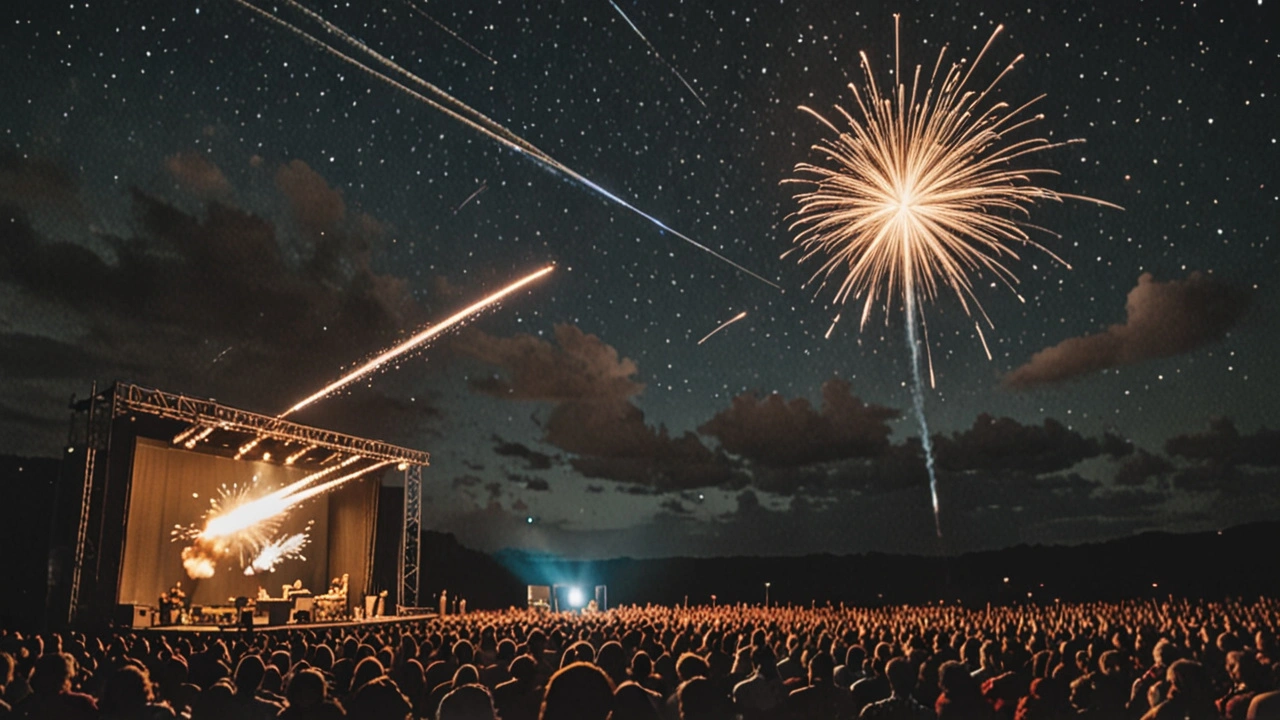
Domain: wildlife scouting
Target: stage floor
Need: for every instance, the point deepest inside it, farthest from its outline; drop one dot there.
(236, 629)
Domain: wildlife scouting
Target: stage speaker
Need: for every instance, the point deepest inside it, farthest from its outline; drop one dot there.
(134, 616)
(302, 616)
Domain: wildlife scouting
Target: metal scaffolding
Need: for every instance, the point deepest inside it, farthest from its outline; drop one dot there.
(410, 546)
(211, 414)
(203, 418)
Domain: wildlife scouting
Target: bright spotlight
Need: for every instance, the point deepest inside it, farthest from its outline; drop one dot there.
(576, 598)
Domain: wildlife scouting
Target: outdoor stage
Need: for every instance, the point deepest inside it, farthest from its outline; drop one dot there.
(160, 467)
(368, 623)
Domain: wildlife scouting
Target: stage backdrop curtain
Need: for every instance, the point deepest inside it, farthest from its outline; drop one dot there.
(353, 514)
(172, 487)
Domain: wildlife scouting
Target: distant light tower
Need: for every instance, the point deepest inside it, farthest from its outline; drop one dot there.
(766, 594)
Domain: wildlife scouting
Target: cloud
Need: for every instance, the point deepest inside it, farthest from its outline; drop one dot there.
(33, 181)
(1222, 444)
(674, 505)
(774, 432)
(1162, 319)
(465, 481)
(592, 417)
(536, 484)
(1004, 444)
(578, 367)
(214, 302)
(1142, 466)
(198, 174)
(534, 459)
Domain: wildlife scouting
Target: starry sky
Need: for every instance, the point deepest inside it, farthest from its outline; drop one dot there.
(195, 199)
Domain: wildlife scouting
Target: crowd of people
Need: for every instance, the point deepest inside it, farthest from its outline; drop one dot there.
(1140, 660)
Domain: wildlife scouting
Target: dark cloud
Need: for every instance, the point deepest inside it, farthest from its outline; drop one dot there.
(215, 302)
(1141, 467)
(1162, 319)
(592, 417)
(577, 368)
(1116, 447)
(535, 484)
(534, 459)
(595, 489)
(33, 181)
(775, 432)
(466, 481)
(198, 174)
(495, 490)
(675, 506)
(1223, 444)
(996, 444)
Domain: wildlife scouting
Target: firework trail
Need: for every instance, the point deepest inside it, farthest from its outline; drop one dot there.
(483, 186)
(246, 525)
(468, 116)
(917, 403)
(413, 6)
(724, 325)
(658, 55)
(417, 340)
(926, 188)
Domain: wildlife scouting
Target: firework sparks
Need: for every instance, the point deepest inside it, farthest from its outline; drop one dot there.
(461, 112)
(286, 547)
(924, 190)
(724, 325)
(245, 525)
(418, 339)
(658, 55)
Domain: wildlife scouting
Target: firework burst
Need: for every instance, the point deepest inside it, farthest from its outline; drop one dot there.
(927, 188)
(285, 547)
(205, 549)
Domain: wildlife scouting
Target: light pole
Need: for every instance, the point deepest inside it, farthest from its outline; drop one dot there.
(766, 595)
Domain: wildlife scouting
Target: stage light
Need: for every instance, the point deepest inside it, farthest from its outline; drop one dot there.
(266, 457)
(294, 457)
(402, 466)
(576, 598)
(247, 447)
(191, 443)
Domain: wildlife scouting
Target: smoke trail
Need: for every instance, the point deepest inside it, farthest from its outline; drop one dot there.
(917, 400)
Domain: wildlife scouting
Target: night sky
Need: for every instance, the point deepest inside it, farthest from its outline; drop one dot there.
(194, 199)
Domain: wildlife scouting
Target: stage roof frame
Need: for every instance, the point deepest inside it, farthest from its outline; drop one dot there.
(212, 414)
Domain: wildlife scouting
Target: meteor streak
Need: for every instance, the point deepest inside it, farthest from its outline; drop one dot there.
(724, 325)
(658, 55)
(483, 186)
(413, 6)
(417, 340)
(461, 112)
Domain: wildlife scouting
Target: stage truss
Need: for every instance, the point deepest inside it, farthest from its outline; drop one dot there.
(203, 419)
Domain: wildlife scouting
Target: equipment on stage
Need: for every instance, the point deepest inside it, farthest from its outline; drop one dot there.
(129, 615)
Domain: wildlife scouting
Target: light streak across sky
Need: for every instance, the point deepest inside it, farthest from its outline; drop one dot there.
(658, 55)
(724, 325)
(461, 112)
(414, 6)
(418, 339)
(483, 186)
